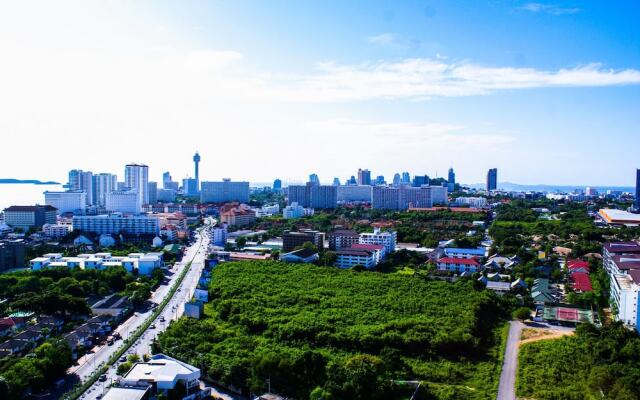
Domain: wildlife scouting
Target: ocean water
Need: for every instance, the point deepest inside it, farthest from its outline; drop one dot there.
(23, 194)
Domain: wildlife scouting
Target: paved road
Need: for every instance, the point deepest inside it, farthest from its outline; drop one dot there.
(507, 387)
(174, 310)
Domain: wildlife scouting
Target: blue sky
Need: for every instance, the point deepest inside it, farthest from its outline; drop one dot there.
(548, 92)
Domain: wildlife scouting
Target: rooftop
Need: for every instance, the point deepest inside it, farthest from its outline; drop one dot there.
(457, 260)
(622, 247)
(160, 368)
(30, 208)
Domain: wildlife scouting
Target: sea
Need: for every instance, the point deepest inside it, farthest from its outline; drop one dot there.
(23, 194)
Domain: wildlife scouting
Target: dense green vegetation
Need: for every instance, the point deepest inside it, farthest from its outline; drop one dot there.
(64, 290)
(48, 362)
(593, 364)
(341, 333)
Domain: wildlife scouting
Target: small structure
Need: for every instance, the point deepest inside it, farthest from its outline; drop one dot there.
(194, 309)
(156, 242)
(567, 315)
(458, 264)
(163, 374)
(114, 305)
(300, 256)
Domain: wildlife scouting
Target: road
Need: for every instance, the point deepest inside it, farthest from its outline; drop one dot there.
(196, 253)
(507, 387)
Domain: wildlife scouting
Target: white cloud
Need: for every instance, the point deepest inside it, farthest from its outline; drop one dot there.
(552, 9)
(383, 39)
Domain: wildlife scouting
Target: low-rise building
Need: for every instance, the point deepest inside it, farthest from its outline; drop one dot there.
(67, 202)
(343, 239)
(163, 374)
(387, 239)
(458, 264)
(456, 252)
(347, 258)
(56, 231)
(116, 223)
(238, 215)
(12, 254)
(300, 256)
(26, 217)
(293, 239)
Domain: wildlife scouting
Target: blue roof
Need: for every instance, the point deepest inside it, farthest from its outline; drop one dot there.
(454, 250)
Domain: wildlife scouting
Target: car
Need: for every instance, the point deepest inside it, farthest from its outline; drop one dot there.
(102, 378)
(110, 342)
(162, 319)
(152, 326)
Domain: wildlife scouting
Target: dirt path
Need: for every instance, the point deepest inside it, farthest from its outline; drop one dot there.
(530, 335)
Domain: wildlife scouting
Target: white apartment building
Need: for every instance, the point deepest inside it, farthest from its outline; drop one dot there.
(293, 210)
(403, 197)
(67, 202)
(143, 263)
(124, 201)
(80, 180)
(624, 294)
(219, 235)
(56, 230)
(103, 184)
(136, 178)
(387, 239)
(475, 202)
(117, 223)
(348, 258)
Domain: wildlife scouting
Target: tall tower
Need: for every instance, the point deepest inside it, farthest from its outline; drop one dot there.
(638, 189)
(492, 179)
(196, 161)
(136, 178)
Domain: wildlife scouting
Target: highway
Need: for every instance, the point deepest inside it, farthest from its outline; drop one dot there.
(196, 253)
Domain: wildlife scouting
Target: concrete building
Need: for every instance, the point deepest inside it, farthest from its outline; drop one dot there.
(166, 195)
(313, 196)
(402, 197)
(80, 180)
(56, 231)
(357, 193)
(67, 202)
(343, 239)
(236, 214)
(225, 191)
(637, 202)
(451, 178)
(348, 258)
(103, 184)
(153, 192)
(190, 187)
(364, 177)
(294, 210)
(621, 260)
(219, 235)
(293, 239)
(124, 201)
(11, 254)
(117, 223)
(314, 180)
(456, 252)
(25, 217)
(618, 217)
(277, 185)
(492, 179)
(421, 180)
(456, 264)
(385, 238)
(302, 256)
(474, 202)
(136, 177)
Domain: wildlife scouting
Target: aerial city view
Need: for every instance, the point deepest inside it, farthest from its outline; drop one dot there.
(320, 200)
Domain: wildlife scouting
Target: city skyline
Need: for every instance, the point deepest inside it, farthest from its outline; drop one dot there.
(409, 87)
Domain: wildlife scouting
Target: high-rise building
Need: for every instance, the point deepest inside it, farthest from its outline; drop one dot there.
(452, 176)
(314, 180)
(225, 191)
(420, 180)
(67, 202)
(406, 178)
(354, 193)
(25, 217)
(492, 179)
(402, 197)
(153, 192)
(364, 177)
(352, 181)
(277, 185)
(196, 161)
(637, 189)
(124, 201)
(190, 187)
(336, 181)
(396, 179)
(136, 177)
(117, 223)
(380, 180)
(103, 184)
(314, 196)
(166, 177)
(82, 180)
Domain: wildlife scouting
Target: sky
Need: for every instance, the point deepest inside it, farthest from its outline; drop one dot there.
(547, 92)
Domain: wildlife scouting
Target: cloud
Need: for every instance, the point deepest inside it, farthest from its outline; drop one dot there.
(383, 39)
(552, 9)
(420, 78)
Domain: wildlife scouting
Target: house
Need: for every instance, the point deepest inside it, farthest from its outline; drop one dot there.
(497, 262)
(82, 241)
(31, 337)
(457, 264)
(518, 283)
(113, 305)
(300, 256)
(581, 282)
(378, 250)
(12, 346)
(499, 287)
(578, 266)
(9, 325)
(540, 292)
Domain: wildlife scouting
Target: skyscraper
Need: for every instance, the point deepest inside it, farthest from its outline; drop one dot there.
(364, 177)
(637, 189)
(136, 177)
(166, 177)
(492, 179)
(196, 161)
(336, 181)
(420, 180)
(406, 178)
(380, 180)
(396, 179)
(277, 185)
(103, 184)
(82, 180)
(452, 176)
(153, 192)
(314, 180)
